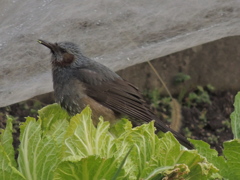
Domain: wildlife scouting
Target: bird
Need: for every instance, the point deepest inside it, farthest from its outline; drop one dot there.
(79, 81)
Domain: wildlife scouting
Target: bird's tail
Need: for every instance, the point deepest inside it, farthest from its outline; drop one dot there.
(183, 140)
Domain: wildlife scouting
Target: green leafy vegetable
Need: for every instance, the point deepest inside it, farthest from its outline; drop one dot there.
(8, 164)
(235, 117)
(57, 146)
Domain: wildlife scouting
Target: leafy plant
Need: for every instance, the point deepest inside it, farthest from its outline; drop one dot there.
(56, 146)
(203, 118)
(181, 78)
(200, 96)
(154, 97)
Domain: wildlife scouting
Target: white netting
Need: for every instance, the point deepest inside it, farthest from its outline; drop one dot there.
(115, 33)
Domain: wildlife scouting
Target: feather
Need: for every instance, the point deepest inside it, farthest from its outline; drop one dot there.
(124, 98)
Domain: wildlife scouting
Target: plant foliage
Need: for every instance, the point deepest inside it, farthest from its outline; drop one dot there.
(57, 146)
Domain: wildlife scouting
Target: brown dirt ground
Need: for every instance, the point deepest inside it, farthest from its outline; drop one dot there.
(203, 121)
(211, 122)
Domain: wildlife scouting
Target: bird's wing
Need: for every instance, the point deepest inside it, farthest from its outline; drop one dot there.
(122, 97)
(116, 94)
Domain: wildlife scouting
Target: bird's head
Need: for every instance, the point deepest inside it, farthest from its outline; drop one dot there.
(63, 53)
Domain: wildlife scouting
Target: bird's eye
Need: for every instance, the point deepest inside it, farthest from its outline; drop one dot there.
(62, 50)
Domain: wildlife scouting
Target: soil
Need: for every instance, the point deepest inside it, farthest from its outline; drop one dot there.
(207, 121)
(211, 122)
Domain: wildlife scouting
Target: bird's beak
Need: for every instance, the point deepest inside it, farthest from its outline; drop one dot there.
(51, 46)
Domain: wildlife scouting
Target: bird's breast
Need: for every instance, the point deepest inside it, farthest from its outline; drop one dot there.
(69, 94)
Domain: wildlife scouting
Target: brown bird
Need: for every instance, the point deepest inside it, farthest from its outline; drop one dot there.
(79, 81)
